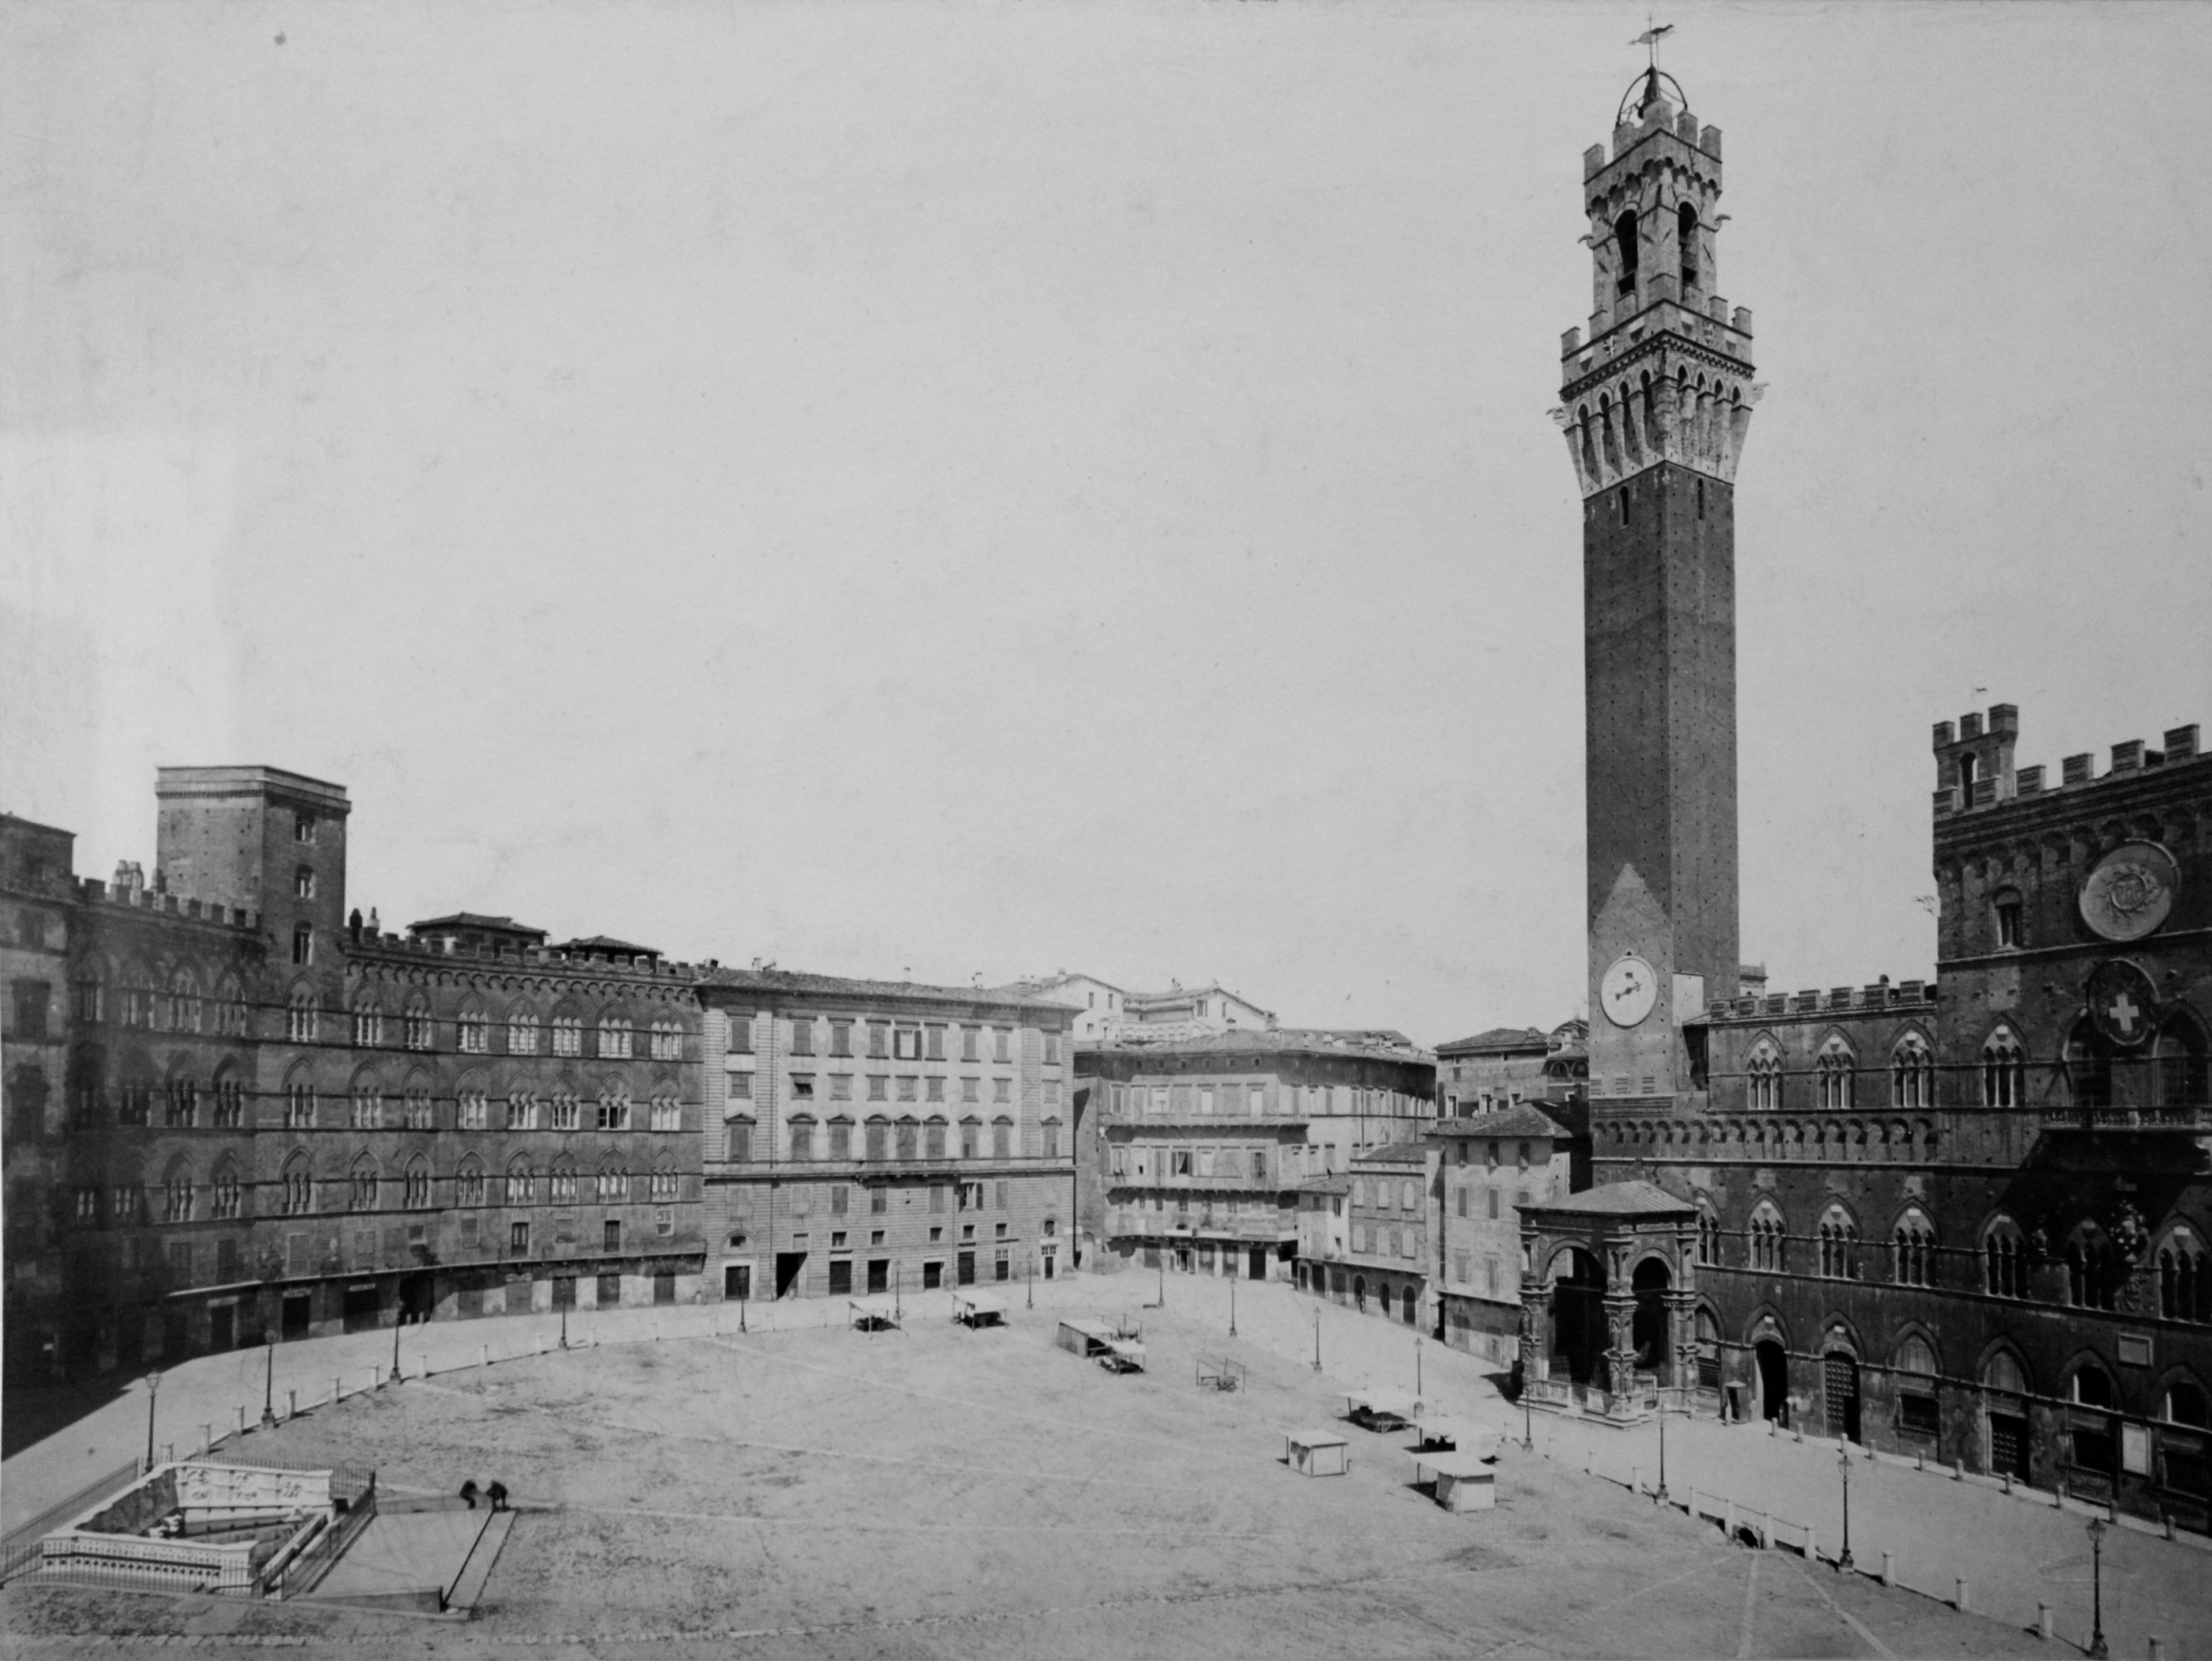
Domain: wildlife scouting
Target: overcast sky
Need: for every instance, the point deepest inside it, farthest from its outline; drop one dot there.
(957, 488)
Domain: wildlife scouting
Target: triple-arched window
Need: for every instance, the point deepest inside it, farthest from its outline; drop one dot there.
(416, 1023)
(2094, 1268)
(415, 1195)
(360, 1184)
(1839, 1238)
(177, 1193)
(2184, 1289)
(1708, 1235)
(1912, 1072)
(613, 1185)
(1766, 1239)
(2004, 1070)
(1914, 1241)
(367, 1020)
(614, 1105)
(2004, 1260)
(299, 1190)
(1832, 1076)
(224, 1194)
(469, 1183)
(1763, 1078)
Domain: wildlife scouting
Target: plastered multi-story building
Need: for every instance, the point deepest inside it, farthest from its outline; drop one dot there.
(881, 1136)
(1506, 1065)
(1490, 1166)
(1207, 1140)
(276, 1120)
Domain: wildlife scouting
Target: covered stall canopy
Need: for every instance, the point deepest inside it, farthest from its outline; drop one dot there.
(1441, 1430)
(1081, 1336)
(978, 1309)
(1316, 1452)
(1123, 1355)
(874, 1314)
(1383, 1409)
(1464, 1481)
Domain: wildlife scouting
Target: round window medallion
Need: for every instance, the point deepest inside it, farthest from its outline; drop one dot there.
(2130, 891)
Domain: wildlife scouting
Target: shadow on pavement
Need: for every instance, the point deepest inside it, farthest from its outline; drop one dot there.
(31, 1413)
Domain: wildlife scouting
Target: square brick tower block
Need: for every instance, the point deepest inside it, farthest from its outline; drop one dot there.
(1654, 407)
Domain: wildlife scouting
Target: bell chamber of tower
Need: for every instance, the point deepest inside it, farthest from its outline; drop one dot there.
(1655, 406)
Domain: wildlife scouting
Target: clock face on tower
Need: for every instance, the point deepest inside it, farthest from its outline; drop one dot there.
(1628, 990)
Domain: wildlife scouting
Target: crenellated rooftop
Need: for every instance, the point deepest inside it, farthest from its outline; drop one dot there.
(1975, 770)
(1881, 995)
(137, 897)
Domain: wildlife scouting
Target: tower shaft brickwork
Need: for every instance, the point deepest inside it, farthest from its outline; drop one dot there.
(1654, 407)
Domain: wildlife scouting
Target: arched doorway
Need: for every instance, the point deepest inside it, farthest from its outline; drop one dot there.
(1647, 1330)
(1839, 1390)
(1774, 1380)
(1383, 1297)
(1359, 1292)
(1579, 1335)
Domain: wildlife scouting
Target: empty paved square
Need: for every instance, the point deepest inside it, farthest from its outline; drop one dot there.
(943, 1492)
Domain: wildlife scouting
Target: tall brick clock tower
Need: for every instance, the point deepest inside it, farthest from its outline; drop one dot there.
(1655, 406)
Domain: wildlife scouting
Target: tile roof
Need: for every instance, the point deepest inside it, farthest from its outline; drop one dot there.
(475, 920)
(607, 943)
(1501, 1037)
(1633, 1199)
(1248, 1041)
(1524, 1120)
(1327, 1185)
(1393, 1154)
(792, 980)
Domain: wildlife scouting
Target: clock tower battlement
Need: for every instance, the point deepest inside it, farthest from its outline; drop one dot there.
(1656, 406)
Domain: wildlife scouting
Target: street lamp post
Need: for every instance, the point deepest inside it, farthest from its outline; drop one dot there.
(1416, 1363)
(397, 1318)
(1844, 1463)
(1661, 1496)
(268, 1384)
(1529, 1418)
(1232, 1304)
(2099, 1650)
(1317, 1341)
(1029, 1296)
(153, 1389)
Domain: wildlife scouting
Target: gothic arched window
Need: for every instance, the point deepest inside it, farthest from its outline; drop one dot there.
(2177, 1059)
(2004, 1260)
(1912, 1074)
(1839, 1240)
(2184, 1290)
(1914, 1240)
(2004, 1071)
(1686, 229)
(1763, 1078)
(2092, 1269)
(1766, 1237)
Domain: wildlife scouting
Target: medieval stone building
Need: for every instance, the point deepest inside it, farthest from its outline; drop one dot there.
(1966, 1219)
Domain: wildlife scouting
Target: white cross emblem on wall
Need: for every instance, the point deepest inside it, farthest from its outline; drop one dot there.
(2124, 1013)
